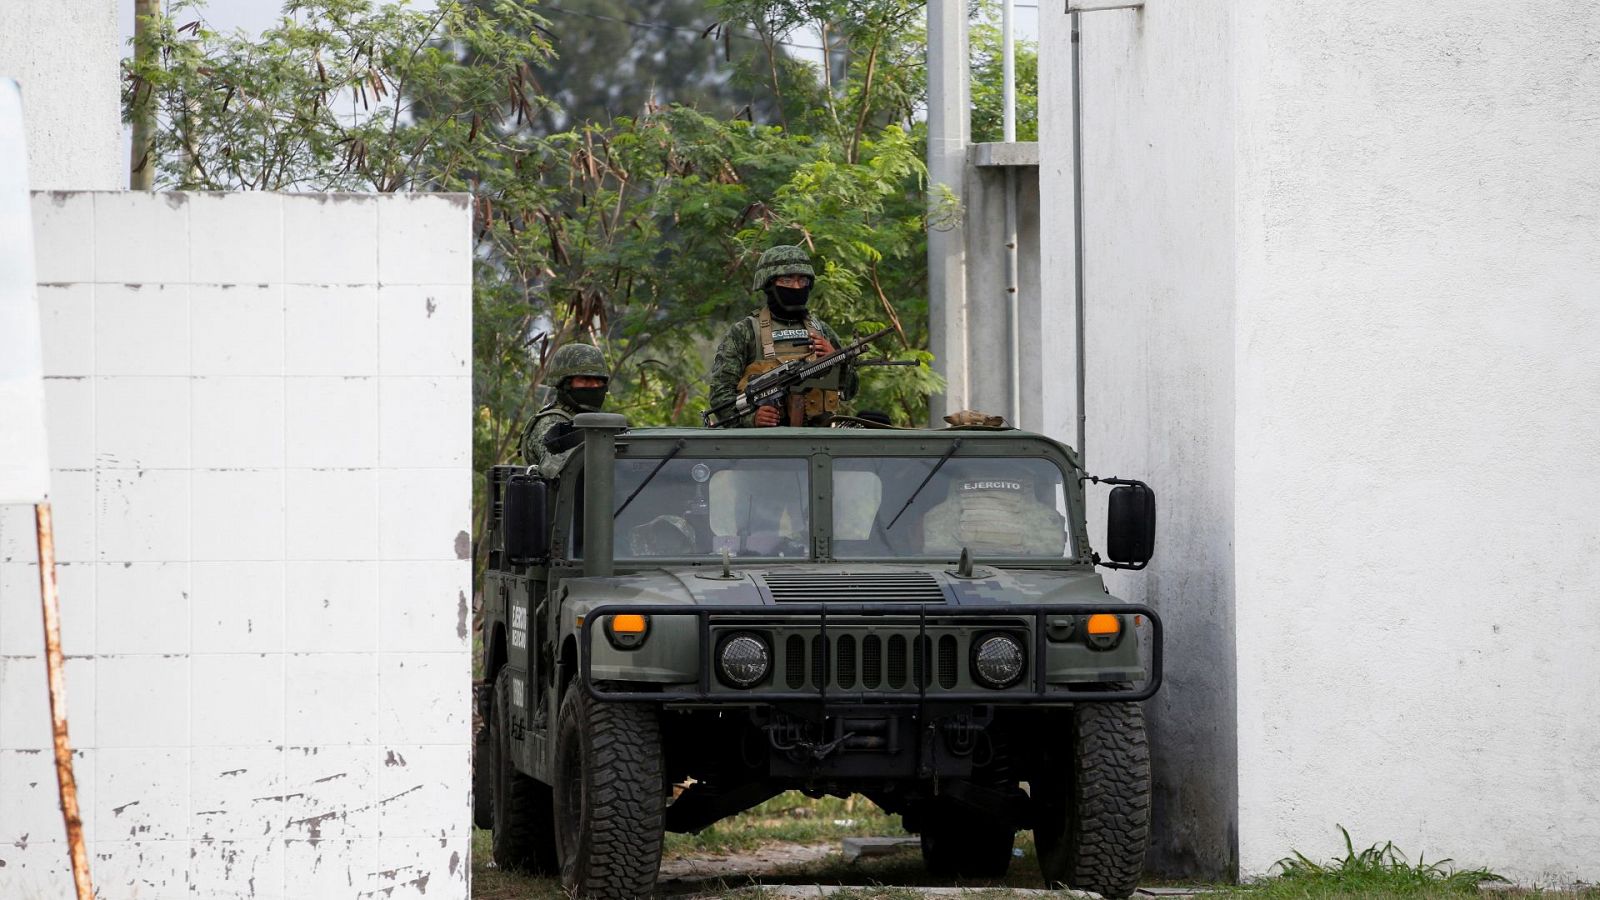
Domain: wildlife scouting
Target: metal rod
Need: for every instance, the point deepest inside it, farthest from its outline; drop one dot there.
(1008, 73)
(1081, 6)
(1013, 298)
(1008, 94)
(1077, 228)
(56, 685)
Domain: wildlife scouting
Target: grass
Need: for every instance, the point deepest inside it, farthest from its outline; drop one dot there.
(789, 818)
(1379, 872)
(1379, 869)
(792, 818)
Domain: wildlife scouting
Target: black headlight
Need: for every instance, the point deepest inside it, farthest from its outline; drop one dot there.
(743, 660)
(998, 660)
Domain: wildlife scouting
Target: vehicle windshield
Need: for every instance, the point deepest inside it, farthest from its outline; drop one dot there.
(701, 507)
(995, 507)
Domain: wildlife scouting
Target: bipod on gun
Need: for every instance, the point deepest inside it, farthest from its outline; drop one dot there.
(773, 387)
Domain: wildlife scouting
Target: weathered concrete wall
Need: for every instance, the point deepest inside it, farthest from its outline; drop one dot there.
(988, 308)
(259, 414)
(1340, 272)
(1158, 229)
(66, 55)
(1419, 250)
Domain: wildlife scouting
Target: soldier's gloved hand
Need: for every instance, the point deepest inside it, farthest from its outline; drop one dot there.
(766, 416)
(820, 346)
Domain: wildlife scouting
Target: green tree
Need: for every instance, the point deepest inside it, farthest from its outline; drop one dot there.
(616, 58)
(988, 84)
(638, 233)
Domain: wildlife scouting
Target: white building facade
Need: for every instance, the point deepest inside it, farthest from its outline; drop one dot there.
(259, 417)
(1341, 268)
(259, 423)
(66, 56)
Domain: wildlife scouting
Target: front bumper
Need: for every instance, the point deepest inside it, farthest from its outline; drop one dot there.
(930, 636)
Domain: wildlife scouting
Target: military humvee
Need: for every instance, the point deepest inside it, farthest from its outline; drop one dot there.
(687, 622)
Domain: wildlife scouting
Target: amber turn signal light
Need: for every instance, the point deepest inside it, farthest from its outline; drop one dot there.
(627, 631)
(1102, 624)
(632, 623)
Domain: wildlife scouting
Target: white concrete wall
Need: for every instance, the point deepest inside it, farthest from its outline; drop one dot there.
(1417, 542)
(1341, 267)
(66, 54)
(259, 422)
(1158, 243)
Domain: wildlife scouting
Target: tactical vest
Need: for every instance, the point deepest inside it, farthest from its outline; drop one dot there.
(780, 345)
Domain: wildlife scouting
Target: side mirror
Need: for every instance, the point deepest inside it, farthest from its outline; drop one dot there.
(526, 522)
(1131, 526)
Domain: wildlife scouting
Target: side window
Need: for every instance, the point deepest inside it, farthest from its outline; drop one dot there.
(575, 527)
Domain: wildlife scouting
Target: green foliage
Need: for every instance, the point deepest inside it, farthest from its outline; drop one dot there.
(988, 85)
(338, 96)
(638, 234)
(1380, 870)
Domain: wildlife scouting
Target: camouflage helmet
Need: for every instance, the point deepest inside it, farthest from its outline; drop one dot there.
(576, 359)
(784, 259)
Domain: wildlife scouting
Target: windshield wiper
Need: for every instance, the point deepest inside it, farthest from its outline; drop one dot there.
(647, 479)
(954, 446)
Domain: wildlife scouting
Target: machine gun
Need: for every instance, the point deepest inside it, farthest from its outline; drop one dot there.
(796, 376)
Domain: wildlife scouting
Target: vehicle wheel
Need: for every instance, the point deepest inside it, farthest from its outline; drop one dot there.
(956, 846)
(609, 800)
(520, 812)
(1092, 811)
(482, 767)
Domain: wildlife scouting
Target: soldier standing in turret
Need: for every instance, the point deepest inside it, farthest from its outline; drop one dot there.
(780, 331)
(579, 375)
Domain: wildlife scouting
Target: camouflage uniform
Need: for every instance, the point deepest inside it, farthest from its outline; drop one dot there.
(743, 343)
(570, 360)
(994, 516)
(662, 536)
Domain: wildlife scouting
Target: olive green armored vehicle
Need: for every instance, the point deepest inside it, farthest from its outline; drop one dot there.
(684, 623)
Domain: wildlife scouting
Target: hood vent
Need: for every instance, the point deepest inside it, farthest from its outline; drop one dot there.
(854, 587)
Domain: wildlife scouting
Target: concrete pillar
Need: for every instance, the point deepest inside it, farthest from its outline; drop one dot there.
(949, 133)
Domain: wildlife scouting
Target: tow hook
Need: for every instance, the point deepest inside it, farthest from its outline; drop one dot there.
(960, 735)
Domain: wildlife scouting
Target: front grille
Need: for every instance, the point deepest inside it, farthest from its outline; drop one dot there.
(947, 662)
(871, 662)
(896, 662)
(845, 649)
(794, 662)
(854, 587)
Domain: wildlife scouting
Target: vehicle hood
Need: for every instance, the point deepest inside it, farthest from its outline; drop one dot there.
(777, 586)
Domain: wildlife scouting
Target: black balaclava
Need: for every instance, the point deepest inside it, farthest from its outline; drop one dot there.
(788, 303)
(585, 399)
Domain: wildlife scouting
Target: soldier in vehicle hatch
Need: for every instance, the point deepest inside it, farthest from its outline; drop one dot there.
(782, 330)
(994, 510)
(579, 375)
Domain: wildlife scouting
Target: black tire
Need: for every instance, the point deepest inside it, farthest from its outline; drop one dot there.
(609, 798)
(959, 845)
(520, 811)
(1093, 810)
(483, 777)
